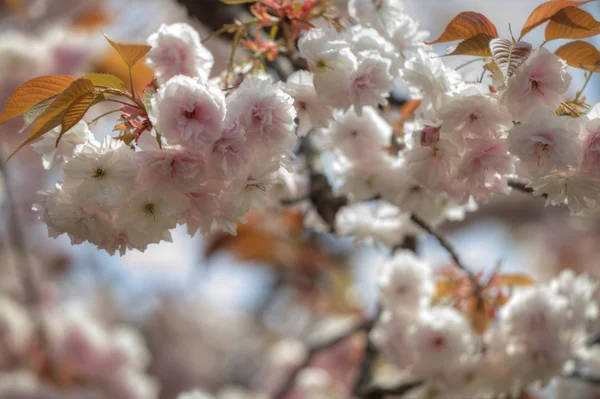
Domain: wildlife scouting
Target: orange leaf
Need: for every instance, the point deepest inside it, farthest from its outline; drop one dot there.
(580, 54)
(91, 19)
(75, 112)
(33, 92)
(130, 53)
(53, 115)
(546, 11)
(106, 80)
(515, 279)
(465, 26)
(571, 23)
(109, 62)
(444, 289)
(477, 45)
(480, 319)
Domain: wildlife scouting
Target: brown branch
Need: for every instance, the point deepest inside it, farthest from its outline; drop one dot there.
(379, 392)
(365, 375)
(313, 350)
(445, 243)
(522, 187)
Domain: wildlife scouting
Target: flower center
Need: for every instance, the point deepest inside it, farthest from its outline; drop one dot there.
(149, 210)
(473, 117)
(190, 115)
(99, 172)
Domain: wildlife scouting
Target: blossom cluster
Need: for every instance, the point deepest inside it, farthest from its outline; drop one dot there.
(77, 357)
(533, 337)
(467, 141)
(213, 157)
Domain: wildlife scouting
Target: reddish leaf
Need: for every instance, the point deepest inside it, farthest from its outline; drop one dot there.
(477, 45)
(130, 53)
(75, 112)
(546, 11)
(465, 26)
(515, 279)
(53, 114)
(33, 92)
(106, 80)
(571, 23)
(580, 54)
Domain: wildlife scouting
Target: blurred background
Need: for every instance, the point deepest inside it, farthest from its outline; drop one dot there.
(210, 308)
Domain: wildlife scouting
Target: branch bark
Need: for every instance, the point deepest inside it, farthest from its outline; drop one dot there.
(313, 350)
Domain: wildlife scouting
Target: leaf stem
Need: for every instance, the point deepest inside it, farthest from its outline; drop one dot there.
(103, 115)
(467, 63)
(587, 80)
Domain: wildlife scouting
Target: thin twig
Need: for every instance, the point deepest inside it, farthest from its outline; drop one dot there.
(587, 80)
(287, 386)
(520, 186)
(445, 243)
(365, 375)
(379, 392)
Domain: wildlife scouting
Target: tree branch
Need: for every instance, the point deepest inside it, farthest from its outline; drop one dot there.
(365, 375)
(522, 187)
(445, 243)
(379, 392)
(313, 350)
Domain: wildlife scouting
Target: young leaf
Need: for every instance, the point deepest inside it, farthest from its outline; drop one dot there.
(465, 26)
(75, 112)
(546, 11)
(106, 80)
(519, 279)
(53, 114)
(580, 54)
(33, 92)
(130, 53)
(476, 45)
(571, 23)
(32, 114)
(509, 55)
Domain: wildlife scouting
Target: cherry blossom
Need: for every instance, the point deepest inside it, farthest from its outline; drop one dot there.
(176, 50)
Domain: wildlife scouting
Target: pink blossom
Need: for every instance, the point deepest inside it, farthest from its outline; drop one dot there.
(371, 83)
(171, 168)
(189, 113)
(266, 113)
(545, 142)
(541, 80)
(176, 50)
(484, 162)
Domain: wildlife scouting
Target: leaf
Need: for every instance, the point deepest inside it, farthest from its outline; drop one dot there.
(33, 92)
(571, 23)
(130, 53)
(546, 11)
(508, 55)
(53, 114)
(92, 18)
(75, 112)
(110, 62)
(580, 54)
(515, 279)
(106, 80)
(465, 26)
(477, 45)
(35, 111)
